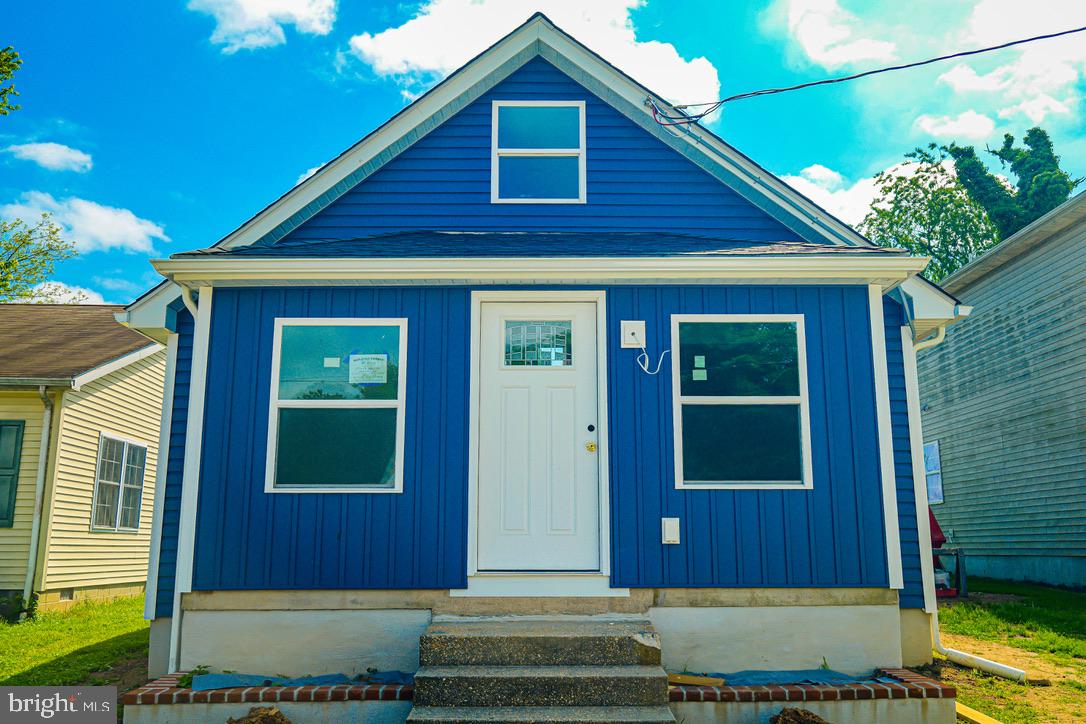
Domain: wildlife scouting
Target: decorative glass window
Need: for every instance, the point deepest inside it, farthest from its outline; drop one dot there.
(336, 422)
(538, 343)
(740, 401)
(933, 469)
(538, 152)
(118, 488)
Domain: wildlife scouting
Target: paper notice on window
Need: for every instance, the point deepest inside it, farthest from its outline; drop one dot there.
(367, 369)
(700, 375)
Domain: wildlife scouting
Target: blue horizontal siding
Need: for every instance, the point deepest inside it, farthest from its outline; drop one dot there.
(175, 463)
(912, 595)
(831, 535)
(634, 181)
(826, 537)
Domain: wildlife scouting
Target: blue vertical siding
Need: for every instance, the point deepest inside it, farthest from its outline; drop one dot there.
(831, 535)
(912, 596)
(167, 560)
(248, 539)
(825, 537)
(634, 181)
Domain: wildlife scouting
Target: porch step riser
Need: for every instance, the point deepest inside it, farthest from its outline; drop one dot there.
(537, 686)
(550, 715)
(539, 651)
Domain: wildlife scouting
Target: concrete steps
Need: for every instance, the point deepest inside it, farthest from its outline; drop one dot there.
(564, 670)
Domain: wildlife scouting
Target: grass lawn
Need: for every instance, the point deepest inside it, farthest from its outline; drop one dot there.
(91, 644)
(1039, 629)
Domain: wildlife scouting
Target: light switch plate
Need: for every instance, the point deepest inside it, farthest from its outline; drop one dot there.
(633, 333)
(670, 530)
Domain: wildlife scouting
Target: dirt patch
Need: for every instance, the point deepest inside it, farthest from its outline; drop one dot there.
(1064, 701)
(127, 673)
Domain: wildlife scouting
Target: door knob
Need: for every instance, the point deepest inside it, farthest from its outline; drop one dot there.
(590, 447)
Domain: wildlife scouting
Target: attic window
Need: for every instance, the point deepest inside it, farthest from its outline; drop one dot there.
(538, 152)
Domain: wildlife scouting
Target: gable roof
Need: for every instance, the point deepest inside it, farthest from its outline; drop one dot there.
(540, 37)
(57, 344)
(1067, 214)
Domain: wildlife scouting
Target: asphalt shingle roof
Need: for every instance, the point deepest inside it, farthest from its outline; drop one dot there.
(422, 244)
(55, 341)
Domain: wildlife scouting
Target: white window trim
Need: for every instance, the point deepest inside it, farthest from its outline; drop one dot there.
(127, 442)
(275, 404)
(495, 153)
(802, 399)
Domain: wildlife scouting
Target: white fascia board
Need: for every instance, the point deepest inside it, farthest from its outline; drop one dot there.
(196, 271)
(147, 315)
(113, 365)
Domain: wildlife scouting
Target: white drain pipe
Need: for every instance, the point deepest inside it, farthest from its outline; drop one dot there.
(39, 496)
(971, 661)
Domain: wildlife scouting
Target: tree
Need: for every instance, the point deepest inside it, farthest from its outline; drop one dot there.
(9, 63)
(922, 207)
(1041, 185)
(27, 257)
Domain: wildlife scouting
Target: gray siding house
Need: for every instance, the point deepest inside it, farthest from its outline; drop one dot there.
(1004, 406)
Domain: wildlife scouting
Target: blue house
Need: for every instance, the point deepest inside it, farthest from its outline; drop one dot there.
(524, 351)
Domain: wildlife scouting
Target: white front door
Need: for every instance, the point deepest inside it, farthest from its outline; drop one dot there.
(538, 437)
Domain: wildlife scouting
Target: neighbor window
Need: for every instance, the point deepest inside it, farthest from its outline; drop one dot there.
(337, 405)
(118, 490)
(538, 152)
(740, 401)
(933, 471)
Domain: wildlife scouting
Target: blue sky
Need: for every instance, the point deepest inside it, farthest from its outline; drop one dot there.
(156, 127)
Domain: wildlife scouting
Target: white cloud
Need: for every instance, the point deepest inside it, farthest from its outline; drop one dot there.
(249, 24)
(61, 293)
(53, 156)
(308, 173)
(445, 34)
(89, 225)
(1034, 80)
(826, 188)
(966, 125)
(828, 34)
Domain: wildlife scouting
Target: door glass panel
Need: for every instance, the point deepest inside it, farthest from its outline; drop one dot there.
(538, 343)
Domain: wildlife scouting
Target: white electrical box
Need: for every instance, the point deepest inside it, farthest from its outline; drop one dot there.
(670, 531)
(633, 334)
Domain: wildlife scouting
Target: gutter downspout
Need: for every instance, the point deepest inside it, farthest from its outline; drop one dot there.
(958, 657)
(39, 496)
(969, 660)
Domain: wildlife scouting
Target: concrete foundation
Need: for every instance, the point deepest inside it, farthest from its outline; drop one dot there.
(915, 637)
(158, 651)
(850, 639)
(332, 712)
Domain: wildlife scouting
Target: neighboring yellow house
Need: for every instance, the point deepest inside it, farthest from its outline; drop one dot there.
(76, 504)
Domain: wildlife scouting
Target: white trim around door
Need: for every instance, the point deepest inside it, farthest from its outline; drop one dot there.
(595, 583)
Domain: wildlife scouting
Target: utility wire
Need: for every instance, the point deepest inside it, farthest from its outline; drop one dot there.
(686, 119)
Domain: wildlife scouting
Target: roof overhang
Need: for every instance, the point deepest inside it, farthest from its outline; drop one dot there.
(887, 272)
(150, 315)
(929, 310)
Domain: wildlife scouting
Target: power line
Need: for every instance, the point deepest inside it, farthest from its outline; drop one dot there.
(684, 119)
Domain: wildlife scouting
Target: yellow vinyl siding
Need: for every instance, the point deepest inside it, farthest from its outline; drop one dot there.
(125, 404)
(15, 541)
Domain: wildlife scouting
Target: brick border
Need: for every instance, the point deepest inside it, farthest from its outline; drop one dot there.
(906, 685)
(166, 691)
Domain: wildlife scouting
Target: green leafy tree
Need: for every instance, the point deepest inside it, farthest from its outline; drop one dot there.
(27, 257)
(1041, 185)
(922, 207)
(9, 63)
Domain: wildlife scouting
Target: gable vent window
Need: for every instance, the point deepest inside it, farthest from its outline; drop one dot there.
(538, 152)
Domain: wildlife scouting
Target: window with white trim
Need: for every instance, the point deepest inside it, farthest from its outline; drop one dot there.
(118, 487)
(336, 422)
(537, 152)
(933, 472)
(740, 401)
